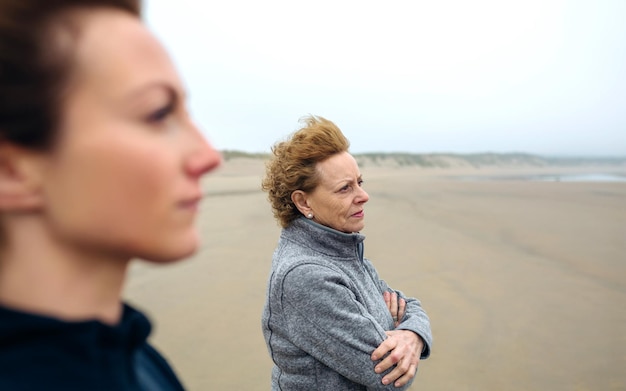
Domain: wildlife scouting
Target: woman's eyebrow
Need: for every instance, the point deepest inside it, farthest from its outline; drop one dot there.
(172, 93)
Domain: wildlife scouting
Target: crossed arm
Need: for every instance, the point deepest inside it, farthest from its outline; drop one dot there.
(336, 329)
(402, 349)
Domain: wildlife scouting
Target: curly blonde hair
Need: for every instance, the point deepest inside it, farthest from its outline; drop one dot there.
(294, 161)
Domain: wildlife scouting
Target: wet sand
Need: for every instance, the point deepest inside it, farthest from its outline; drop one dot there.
(525, 282)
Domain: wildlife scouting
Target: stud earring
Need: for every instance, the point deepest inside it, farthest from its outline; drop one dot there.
(309, 216)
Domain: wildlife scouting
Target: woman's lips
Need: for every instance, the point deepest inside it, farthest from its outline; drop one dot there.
(190, 203)
(359, 214)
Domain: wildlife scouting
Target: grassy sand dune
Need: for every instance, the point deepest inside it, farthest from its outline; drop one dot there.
(525, 282)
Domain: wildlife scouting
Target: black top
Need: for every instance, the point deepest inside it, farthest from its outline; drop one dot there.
(42, 353)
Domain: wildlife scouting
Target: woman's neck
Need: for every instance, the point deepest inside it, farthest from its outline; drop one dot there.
(43, 275)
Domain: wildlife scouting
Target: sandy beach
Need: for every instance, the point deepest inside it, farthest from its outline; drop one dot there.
(524, 281)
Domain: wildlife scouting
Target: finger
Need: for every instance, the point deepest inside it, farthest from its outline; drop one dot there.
(388, 362)
(391, 357)
(387, 300)
(401, 309)
(385, 347)
(400, 370)
(394, 305)
(406, 378)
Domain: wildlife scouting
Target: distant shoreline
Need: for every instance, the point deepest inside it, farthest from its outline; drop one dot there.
(458, 160)
(558, 177)
(235, 172)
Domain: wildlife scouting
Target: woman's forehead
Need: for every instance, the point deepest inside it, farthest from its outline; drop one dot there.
(117, 53)
(341, 167)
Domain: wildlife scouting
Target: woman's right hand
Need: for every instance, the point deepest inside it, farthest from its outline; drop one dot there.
(396, 306)
(400, 351)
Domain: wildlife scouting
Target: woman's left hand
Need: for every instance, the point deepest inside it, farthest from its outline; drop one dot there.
(396, 306)
(404, 348)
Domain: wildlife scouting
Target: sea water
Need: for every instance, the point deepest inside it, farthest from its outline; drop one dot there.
(598, 177)
(588, 177)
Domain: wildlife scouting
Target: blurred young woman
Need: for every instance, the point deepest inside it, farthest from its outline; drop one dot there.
(330, 323)
(99, 164)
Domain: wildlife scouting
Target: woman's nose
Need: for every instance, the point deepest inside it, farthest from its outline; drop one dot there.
(362, 197)
(204, 158)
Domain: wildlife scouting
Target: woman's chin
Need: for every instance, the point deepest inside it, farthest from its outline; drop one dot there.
(175, 252)
(357, 227)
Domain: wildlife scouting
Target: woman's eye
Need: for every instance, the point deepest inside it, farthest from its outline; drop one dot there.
(360, 182)
(161, 114)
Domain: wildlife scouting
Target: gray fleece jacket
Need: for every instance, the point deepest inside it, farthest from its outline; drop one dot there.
(325, 313)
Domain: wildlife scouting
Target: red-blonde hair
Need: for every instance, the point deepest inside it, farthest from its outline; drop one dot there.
(293, 164)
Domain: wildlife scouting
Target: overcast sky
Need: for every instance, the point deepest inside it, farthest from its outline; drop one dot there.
(537, 76)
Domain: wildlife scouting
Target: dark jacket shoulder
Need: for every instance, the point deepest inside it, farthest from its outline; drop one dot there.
(44, 353)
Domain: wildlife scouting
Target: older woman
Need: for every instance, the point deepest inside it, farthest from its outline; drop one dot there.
(99, 164)
(329, 319)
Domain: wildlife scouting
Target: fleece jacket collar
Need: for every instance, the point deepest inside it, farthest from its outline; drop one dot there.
(325, 240)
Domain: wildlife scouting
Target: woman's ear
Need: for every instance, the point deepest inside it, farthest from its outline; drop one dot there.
(299, 199)
(20, 179)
